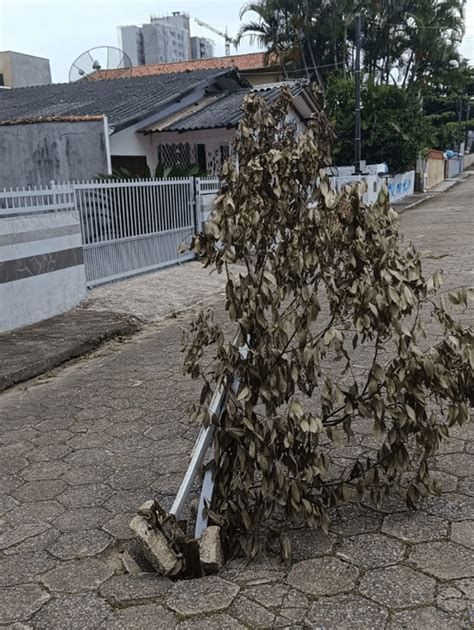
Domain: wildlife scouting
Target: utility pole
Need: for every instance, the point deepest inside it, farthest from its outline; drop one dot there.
(459, 124)
(357, 138)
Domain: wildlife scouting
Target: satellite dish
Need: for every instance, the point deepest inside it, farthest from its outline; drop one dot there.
(101, 58)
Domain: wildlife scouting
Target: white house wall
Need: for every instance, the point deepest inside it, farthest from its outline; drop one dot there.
(213, 139)
(131, 142)
(41, 267)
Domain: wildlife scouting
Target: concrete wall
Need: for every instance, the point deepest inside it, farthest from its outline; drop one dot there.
(434, 170)
(468, 160)
(21, 70)
(401, 185)
(41, 266)
(34, 154)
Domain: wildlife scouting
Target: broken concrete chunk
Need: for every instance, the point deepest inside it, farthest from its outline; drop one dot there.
(210, 550)
(155, 547)
(130, 565)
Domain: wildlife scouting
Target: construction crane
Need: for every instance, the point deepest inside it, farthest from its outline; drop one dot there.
(228, 40)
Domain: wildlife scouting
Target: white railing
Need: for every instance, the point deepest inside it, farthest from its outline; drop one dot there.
(35, 200)
(135, 225)
(127, 226)
(206, 193)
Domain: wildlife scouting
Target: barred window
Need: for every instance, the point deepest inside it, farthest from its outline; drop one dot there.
(176, 154)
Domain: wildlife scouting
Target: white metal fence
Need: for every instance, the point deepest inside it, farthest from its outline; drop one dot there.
(134, 226)
(35, 200)
(206, 192)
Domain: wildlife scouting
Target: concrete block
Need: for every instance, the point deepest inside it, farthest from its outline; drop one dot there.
(210, 550)
(155, 547)
(130, 565)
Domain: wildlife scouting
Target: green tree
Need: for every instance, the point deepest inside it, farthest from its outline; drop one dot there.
(394, 127)
(405, 42)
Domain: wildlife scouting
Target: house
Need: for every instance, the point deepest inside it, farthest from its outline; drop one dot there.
(66, 131)
(255, 67)
(202, 133)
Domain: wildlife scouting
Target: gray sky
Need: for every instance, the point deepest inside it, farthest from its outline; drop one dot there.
(62, 29)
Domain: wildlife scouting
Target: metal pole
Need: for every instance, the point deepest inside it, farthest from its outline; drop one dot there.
(459, 124)
(357, 138)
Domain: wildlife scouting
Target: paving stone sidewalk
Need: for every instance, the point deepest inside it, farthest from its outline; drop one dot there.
(80, 452)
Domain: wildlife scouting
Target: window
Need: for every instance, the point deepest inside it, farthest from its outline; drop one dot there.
(135, 164)
(179, 153)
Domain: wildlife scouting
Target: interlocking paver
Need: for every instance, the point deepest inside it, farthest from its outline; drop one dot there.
(463, 533)
(415, 526)
(80, 544)
(197, 597)
(370, 551)
(34, 512)
(444, 560)
(398, 587)
(146, 616)
(450, 506)
(251, 614)
(323, 576)
(24, 567)
(82, 518)
(83, 611)
(74, 576)
(112, 430)
(15, 535)
(89, 495)
(346, 612)
(43, 490)
(20, 602)
(426, 618)
(216, 622)
(121, 590)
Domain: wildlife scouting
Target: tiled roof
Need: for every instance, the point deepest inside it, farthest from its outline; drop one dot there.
(250, 61)
(221, 110)
(45, 119)
(123, 102)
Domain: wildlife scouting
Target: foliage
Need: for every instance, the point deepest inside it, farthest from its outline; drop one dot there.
(442, 104)
(160, 172)
(316, 284)
(404, 41)
(394, 129)
(194, 170)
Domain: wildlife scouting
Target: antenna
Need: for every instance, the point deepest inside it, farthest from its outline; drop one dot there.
(100, 60)
(228, 40)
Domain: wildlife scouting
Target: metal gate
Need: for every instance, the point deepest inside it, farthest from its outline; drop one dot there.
(129, 227)
(207, 189)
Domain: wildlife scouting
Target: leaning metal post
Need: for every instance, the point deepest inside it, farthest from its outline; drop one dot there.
(203, 443)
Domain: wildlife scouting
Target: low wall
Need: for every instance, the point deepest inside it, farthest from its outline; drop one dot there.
(41, 265)
(454, 166)
(468, 160)
(434, 170)
(401, 185)
(373, 182)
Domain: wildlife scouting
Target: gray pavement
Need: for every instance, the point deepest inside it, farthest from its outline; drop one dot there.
(80, 451)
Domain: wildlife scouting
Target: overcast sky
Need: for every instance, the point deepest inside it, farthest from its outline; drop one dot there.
(62, 29)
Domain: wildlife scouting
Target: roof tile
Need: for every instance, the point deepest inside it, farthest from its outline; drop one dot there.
(250, 61)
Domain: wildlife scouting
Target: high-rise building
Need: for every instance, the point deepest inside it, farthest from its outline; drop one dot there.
(20, 70)
(165, 39)
(201, 48)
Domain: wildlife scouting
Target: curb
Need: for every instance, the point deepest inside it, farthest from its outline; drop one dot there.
(13, 375)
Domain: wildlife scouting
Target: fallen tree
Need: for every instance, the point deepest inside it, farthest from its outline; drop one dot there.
(317, 285)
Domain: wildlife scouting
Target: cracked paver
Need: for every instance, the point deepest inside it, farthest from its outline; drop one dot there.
(80, 451)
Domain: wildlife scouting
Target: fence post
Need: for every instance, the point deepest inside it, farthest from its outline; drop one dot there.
(196, 183)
